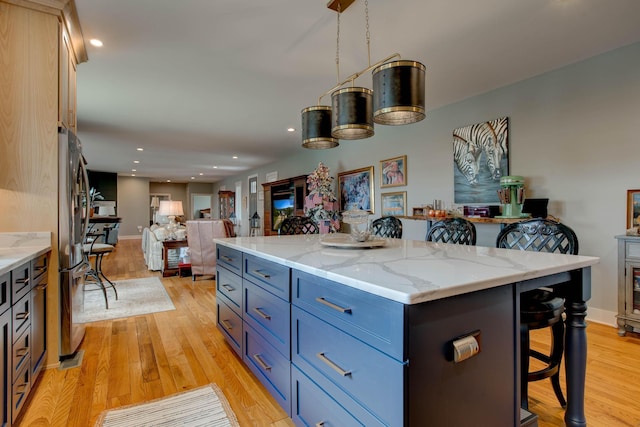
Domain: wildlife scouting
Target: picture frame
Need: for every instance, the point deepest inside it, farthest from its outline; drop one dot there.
(394, 204)
(355, 189)
(633, 208)
(393, 172)
(419, 211)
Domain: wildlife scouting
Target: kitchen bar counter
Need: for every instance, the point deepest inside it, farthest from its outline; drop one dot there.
(447, 290)
(409, 271)
(17, 248)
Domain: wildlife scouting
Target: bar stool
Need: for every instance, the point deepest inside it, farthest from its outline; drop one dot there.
(540, 308)
(98, 250)
(452, 230)
(387, 226)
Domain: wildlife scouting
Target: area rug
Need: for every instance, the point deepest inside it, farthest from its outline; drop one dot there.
(135, 297)
(204, 406)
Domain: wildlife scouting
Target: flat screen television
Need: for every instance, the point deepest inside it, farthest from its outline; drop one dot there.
(281, 209)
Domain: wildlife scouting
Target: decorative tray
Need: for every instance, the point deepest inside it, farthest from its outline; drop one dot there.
(339, 240)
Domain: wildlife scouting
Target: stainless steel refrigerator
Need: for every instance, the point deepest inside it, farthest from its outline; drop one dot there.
(73, 223)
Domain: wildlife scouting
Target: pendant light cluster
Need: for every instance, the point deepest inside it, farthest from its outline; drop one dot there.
(397, 98)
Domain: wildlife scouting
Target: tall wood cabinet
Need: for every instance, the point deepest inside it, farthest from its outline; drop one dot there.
(289, 192)
(227, 202)
(40, 46)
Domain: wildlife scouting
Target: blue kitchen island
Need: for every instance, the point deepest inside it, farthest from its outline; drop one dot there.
(408, 333)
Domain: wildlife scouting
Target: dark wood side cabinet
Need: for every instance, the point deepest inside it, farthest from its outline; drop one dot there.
(292, 189)
(227, 202)
(171, 256)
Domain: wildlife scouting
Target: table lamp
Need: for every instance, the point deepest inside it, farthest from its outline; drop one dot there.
(171, 209)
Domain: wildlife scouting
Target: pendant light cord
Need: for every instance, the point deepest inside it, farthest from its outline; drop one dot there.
(367, 33)
(338, 47)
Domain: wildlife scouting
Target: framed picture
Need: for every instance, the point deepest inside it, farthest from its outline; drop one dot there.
(394, 204)
(393, 172)
(633, 208)
(480, 158)
(355, 189)
(419, 212)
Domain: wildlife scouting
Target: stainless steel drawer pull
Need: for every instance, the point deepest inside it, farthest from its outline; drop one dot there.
(332, 365)
(226, 324)
(22, 351)
(332, 305)
(261, 274)
(262, 313)
(23, 281)
(22, 316)
(41, 286)
(40, 268)
(228, 287)
(261, 362)
(320, 424)
(226, 258)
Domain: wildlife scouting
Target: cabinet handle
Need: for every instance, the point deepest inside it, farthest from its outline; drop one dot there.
(332, 305)
(41, 286)
(23, 281)
(21, 388)
(262, 313)
(261, 362)
(40, 268)
(22, 316)
(226, 324)
(320, 424)
(261, 274)
(228, 287)
(226, 258)
(332, 365)
(22, 351)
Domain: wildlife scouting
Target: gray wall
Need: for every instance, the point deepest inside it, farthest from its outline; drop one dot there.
(133, 196)
(573, 135)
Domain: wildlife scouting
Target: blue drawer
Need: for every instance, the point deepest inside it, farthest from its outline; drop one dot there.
(311, 406)
(5, 292)
(230, 324)
(230, 258)
(230, 285)
(269, 315)
(370, 377)
(20, 282)
(375, 320)
(272, 369)
(273, 277)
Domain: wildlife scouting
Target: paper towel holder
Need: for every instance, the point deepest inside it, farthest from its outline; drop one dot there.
(471, 343)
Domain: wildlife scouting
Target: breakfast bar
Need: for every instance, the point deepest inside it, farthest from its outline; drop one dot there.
(396, 334)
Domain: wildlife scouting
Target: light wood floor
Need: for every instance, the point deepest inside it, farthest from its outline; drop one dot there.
(146, 357)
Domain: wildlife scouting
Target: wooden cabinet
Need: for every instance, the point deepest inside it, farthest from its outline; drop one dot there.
(172, 251)
(281, 199)
(628, 283)
(5, 350)
(227, 202)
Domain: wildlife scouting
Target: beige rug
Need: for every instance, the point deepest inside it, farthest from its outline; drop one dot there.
(200, 407)
(135, 297)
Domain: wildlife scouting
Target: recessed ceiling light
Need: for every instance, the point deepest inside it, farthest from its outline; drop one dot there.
(168, 180)
(215, 167)
(134, 170)
(140, 149)
(136, 161)
(291, 130)
(235, 157)
(95, 42)
(201, 173)
(133, 174)
(193, 177)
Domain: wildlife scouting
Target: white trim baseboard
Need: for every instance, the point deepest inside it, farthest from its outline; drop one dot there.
(599, 315)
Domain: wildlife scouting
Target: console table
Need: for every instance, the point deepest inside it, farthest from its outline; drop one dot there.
(171, 256)
(376, 329)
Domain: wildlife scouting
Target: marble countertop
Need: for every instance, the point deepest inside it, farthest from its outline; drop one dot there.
(409, 271)
(18, 248)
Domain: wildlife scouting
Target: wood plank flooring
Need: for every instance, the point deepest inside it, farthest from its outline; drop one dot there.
(146, 357)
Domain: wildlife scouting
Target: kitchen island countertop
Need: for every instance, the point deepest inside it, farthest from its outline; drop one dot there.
(18, 248)
(409, 271)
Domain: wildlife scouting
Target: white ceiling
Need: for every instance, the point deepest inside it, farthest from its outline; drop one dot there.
(196, 82)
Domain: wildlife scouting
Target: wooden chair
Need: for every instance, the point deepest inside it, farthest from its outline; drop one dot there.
(540, 308)
(93, 249)
(298, 225)
(452, 230)
(387, 226)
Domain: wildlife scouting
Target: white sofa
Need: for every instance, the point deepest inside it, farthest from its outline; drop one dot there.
(152, 238)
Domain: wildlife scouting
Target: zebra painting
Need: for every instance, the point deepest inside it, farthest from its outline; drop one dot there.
(480, 154)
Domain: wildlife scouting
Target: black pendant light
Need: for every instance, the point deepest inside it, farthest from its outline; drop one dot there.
(399, 90)
(316, 128)
(352, 113)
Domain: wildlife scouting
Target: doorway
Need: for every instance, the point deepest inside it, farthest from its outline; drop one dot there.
(201, 206)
